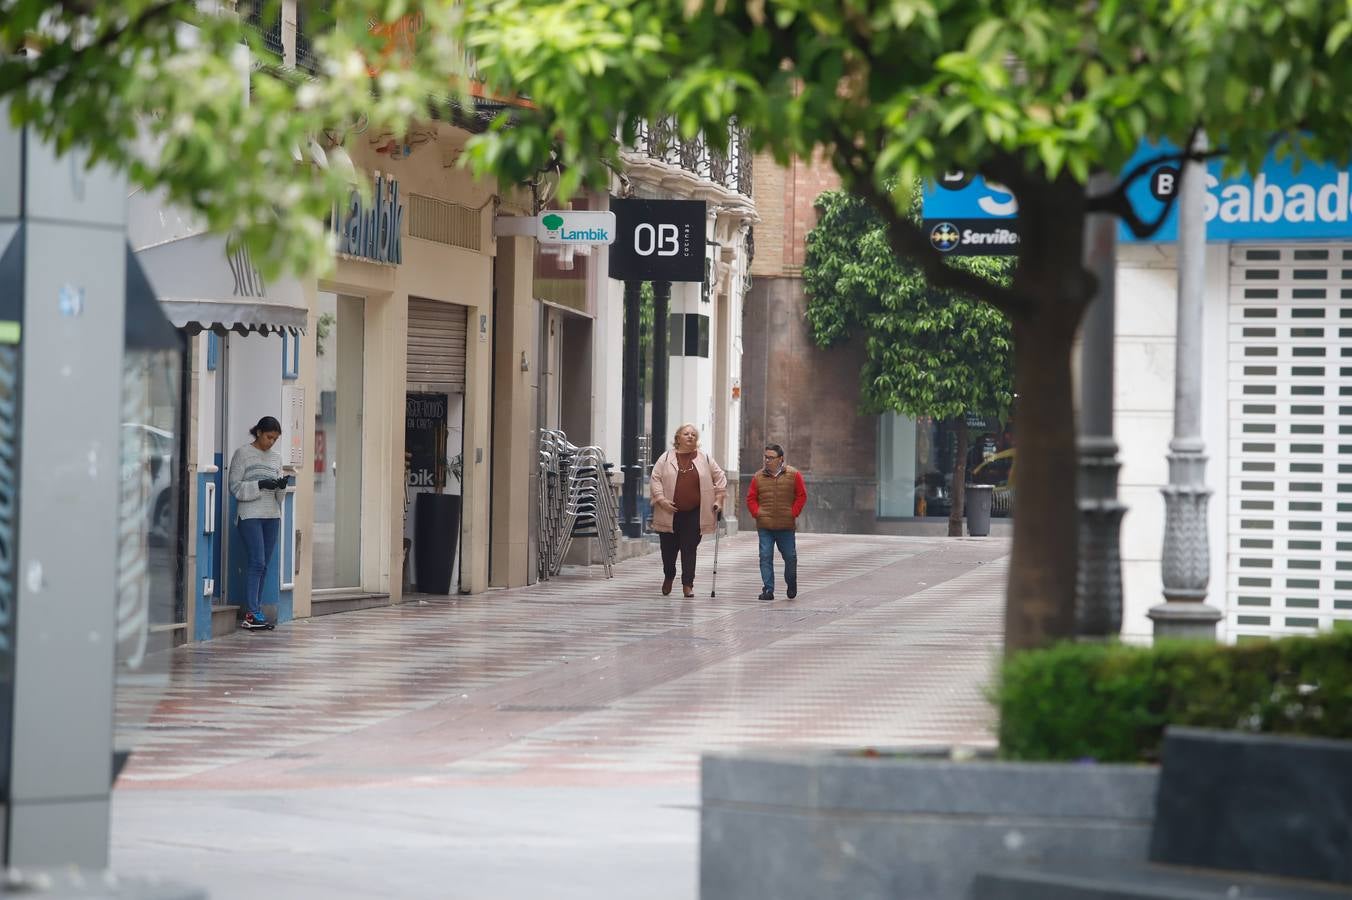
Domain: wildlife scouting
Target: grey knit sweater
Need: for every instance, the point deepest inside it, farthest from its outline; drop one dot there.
(247, 466)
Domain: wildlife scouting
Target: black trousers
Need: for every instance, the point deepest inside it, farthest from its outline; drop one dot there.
(684, 536)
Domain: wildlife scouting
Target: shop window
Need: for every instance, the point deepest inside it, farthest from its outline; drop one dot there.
(340, 377)
(688, 335)
(916, 459)
(697, 335)
(676, 334)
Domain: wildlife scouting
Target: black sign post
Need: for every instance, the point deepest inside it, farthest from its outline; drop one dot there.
(658, 240)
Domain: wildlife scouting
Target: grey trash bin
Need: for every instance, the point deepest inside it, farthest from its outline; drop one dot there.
(979, 498)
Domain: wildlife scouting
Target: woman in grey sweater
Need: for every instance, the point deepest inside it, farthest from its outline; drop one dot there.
(257, 483)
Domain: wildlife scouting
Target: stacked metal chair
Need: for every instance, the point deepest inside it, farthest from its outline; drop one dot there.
(589, 509)
(575, 500)
(550, 499)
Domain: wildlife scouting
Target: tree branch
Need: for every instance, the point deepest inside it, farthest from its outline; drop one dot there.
(15, 75)
(1118, 203)
(912, 243)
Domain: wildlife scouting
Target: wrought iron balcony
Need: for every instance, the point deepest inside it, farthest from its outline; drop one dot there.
(313, 18)
(270, 31)
(661, 140)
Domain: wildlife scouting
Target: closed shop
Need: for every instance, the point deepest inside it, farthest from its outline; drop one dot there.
(1289, 523)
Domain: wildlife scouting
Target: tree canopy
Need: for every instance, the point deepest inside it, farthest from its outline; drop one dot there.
(1037, 95)
(188, 99)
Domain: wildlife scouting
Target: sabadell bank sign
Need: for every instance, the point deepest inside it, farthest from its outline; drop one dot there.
(373, 232)
(1279, 202)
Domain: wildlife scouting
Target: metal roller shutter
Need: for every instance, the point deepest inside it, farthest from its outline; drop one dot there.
(436, 347)
(1290, 516)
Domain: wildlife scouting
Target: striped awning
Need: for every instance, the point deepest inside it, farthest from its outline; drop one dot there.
(205, 285)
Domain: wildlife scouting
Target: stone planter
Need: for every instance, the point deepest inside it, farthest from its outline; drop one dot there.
(816, 825)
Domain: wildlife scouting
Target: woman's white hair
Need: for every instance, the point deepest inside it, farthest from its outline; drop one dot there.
(675, 438)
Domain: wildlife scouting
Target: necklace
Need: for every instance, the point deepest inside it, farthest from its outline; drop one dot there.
(686, 470)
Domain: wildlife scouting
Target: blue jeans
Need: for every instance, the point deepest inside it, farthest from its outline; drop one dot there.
(788, 549)
(260, 544)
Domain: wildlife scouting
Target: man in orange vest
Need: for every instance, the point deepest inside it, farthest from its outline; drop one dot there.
(776, 497)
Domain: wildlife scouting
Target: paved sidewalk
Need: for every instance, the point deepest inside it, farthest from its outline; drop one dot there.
(543, 739)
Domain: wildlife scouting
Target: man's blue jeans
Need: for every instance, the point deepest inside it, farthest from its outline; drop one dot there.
(260, 545)
(788, 549)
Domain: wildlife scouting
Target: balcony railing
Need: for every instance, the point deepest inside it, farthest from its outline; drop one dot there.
(313, 18)
(270, 31)
(661, 140)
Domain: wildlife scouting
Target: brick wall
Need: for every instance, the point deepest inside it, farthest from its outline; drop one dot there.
(796, 394)
(785, 198)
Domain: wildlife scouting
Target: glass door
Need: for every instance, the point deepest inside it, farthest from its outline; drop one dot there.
(340, 333)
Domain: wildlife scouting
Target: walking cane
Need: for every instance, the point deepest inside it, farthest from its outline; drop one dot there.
(718, 530)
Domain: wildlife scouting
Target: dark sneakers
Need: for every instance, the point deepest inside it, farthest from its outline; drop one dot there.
(251, 623)
(793, 591)
(766, 595)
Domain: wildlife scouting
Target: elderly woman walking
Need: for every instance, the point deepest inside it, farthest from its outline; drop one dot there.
(688, 492)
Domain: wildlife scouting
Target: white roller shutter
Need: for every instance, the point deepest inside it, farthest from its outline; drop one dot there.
(436, 347)
(1290, 516)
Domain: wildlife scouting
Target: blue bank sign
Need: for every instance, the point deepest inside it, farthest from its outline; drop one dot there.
(970, 216)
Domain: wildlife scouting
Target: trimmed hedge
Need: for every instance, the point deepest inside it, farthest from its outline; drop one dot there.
(1111, 702)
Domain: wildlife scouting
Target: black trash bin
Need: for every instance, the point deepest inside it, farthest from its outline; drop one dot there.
(979, 498)
(436, 525)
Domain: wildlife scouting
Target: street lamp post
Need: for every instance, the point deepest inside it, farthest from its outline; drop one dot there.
(1098, 582)
(1186, 558)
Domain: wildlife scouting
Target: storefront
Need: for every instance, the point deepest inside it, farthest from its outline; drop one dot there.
(243, 339)
(917, 459)
(400, 339)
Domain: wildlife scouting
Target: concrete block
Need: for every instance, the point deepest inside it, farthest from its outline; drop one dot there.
(1268, 804)
(821, 824)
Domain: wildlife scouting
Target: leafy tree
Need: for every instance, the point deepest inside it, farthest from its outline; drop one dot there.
(930, 352)
(156, 88)
(1037, 95)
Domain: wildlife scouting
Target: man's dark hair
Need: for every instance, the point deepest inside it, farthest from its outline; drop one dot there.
(775, 447)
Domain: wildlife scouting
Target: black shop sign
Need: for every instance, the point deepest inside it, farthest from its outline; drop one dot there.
(658, 240)
(424, 437)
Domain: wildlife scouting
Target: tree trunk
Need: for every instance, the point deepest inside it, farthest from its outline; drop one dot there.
(1040, 601)
(959, 503)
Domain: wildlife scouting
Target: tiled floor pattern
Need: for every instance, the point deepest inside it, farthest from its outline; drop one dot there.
(583, 678)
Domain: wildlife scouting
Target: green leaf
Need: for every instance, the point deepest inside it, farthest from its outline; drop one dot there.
(982, 39)
(955, 117)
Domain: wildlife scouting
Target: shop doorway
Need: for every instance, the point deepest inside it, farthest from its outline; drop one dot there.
(434, 445)
(565, 389)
